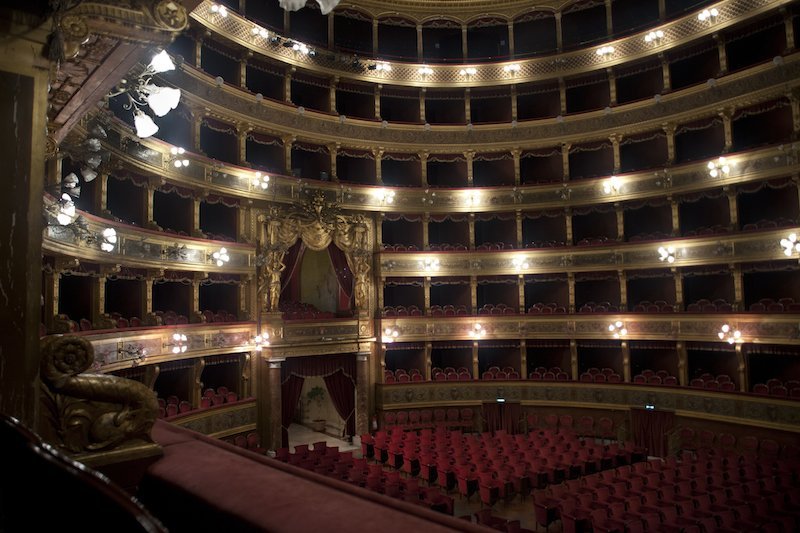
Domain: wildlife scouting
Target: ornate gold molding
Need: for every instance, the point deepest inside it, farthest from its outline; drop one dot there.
(91, 413)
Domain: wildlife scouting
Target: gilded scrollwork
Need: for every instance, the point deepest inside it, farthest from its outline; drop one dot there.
(89, 413)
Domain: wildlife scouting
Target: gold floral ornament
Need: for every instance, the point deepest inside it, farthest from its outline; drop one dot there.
(90, 413)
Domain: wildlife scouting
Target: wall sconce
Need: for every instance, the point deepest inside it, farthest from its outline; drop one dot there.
(654, 37)
(380, 67)
(429, 265)
(790, 245)
(666, 254)
(708, 15)
(385, 196)
(178, 343)
(477, 331)
(390, 334)
(612, 185)
(425, 70)
(720, 167)
(729, 334)
(259, 32)
(217, 9)
(469, 71)
(520, 263)
(108, 240)
(135, 353)
(618, 329)
(221, 257)
(261, 341)
(605, 51)
(512, 68)
(260, 181)
(176, 160)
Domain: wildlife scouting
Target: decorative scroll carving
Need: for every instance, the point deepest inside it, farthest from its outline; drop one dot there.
(318, 223)
(90, 413)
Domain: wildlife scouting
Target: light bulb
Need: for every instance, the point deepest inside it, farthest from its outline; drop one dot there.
(162, 100)
(145, 127)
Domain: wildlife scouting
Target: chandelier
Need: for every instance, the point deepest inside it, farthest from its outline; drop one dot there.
(326, 6)
(142, 92)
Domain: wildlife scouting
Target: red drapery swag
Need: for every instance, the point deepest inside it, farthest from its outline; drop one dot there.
(290, 395)
(502, 415)
(343, 391)
(343, 274)
(290, 284)
(650, 429)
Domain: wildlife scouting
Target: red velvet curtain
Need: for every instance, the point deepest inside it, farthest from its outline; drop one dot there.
(650, 428)
(343, 275)
(502, 415)
(343, 391)
(290, 395)
(290, 283)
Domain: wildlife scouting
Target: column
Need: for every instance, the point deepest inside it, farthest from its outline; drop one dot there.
(511, 47)
(194, 308)
(147, 215)
(423, 161)
(523, 359)
(516, 153)
(196, 199)
(667, 80)
(626, 361)
(623, 290)
(683, 363)
(620, 222)
(243, 70)
(246, 298)
(50, 295)
(374, 37)
(609, 19)
(198, 53)
(333, 150)
(568, 220)
(246, 382)
(514, 112)
(467, 105)
(723, 56)
(519, 243)
(521, 288)
(378, 101)
(469, 156)
(331, 26)
(98, 298)
(268, 401)
(562, 96)
(241, 140)
(287, 85)
(559, 33)
(244, 217)
(377, 154)
(422, 94)
(362, 393)
(100, 198)
(678, 282)
(426, 290)
(475, 365)
(471, 222)
(287, 23)
(379, 296)
(741, 364)
(573, 358)
(662, 9)
(147, 297)
(473, 294)
(428, 362)
(197, 122)
(571, 288)
(420, 55)
(565, 159)
(676, 223)
(669, 131)
(727, 126)
(794, 101)
(197, 385)
(426, 220)
(789, 28)
(288, 140)
(738, 286)
(615, 138)
(332, 91)
(464, 53)
(612, 87)
(733, 206)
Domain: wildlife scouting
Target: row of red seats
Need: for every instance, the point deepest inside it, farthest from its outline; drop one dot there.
(655, 379)
(329, 461)
(585, 426)
(545, 244)
(213, 398)
(172, 406)
(447, 247)
(600, 378)
(602, 307)
(248, 442)
(595, 241)
(654, 236)
(430, 418)
(220, 316)
(399, 248)
(779, 222)
(497, 309)
(659, 306)
(171, 318)
(402, 310)
(494, 246)
(768, 305)
(546, 308)
(706, 441)
(721, 382)
(777, 387)
(706, 306)
(400, 375)
(707, 230)
(449, 310)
